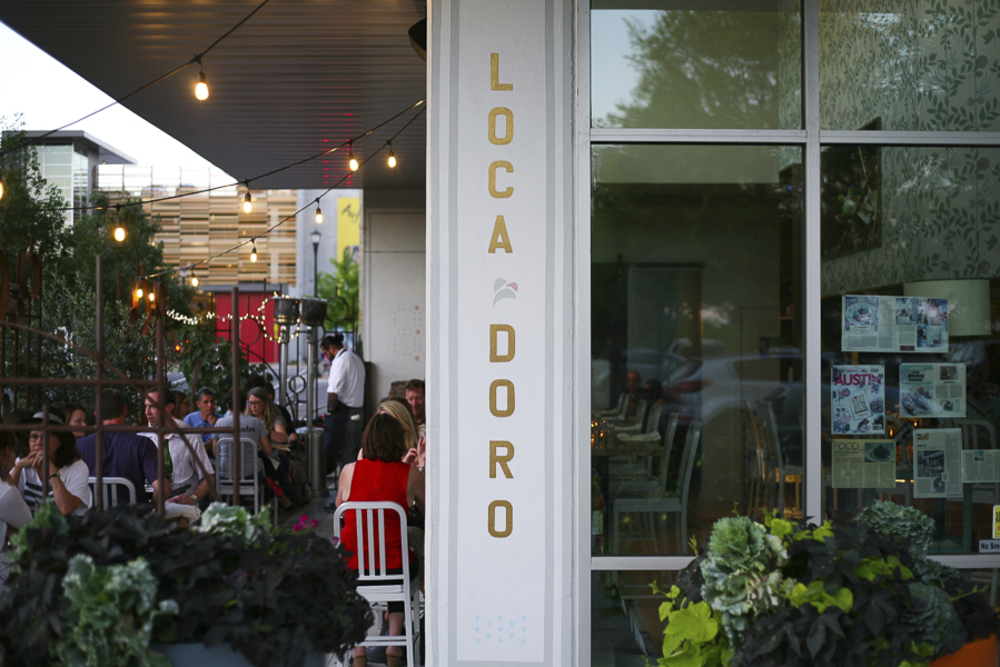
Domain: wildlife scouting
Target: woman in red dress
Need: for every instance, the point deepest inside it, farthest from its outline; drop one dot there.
(380, 475)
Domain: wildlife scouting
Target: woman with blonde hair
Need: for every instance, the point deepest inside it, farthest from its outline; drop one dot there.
(400, 411)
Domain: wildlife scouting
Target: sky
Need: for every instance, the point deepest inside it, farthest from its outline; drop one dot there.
(45, 86)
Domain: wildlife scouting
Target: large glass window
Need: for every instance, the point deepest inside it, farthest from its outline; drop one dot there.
(764, 315)
(697, 363)
(696, 65)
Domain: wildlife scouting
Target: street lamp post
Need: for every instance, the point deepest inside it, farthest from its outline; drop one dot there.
(316, 236)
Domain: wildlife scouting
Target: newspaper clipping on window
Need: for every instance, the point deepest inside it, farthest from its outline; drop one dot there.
(980, 465)
(864, 464)
(894, 324)
(932, 390)
(937, 454)
(858, 400)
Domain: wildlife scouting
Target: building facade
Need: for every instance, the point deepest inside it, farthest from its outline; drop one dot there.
(766, 231)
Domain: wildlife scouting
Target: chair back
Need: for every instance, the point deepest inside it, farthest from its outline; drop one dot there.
(976, 433)
(652, 423)
(622, 405)
(248, 459)
(688, 459)
(668, 444)
(111, 487)
(369, 523)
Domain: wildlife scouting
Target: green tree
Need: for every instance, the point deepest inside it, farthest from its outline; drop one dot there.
(30, 208)
(341, 290)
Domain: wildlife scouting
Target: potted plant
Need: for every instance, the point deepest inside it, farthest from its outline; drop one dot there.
(103, 588)
(786, 593)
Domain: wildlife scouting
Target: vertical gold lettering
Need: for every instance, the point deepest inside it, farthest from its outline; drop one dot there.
(496, 459)
(493, 518)
(509, 410)
(508, 134)
(495, 74)
(506, 166)
(500, 240)
(494, 343)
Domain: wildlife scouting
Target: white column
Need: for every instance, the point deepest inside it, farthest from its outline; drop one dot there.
(501, 344)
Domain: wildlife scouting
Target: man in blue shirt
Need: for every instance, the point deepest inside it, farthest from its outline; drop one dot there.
(127, 455)
(205, 417)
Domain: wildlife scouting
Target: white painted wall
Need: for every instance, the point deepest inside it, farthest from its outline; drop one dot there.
(393, 289)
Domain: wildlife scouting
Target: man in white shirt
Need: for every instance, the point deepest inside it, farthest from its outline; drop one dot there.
(345, 400)
(188, 481)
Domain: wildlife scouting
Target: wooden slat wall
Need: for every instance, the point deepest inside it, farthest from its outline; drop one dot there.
(197, 227)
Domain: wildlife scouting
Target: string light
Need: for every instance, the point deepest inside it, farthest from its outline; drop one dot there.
(119, 229)
(319, 213)
(194, 278)
(253, 251)
(152, 296)
(392, 157)
(248, 200)
(138, 290)
(201, 88)
(1, 188)
(352, 161)
(300, 210)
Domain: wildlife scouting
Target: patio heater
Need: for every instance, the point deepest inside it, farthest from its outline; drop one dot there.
(313, 315)
(286, 315)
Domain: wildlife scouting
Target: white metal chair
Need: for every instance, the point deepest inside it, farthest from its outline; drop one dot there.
(111, 487)
(374, 583)
(672, 501)
(648, 483)
(249, 479)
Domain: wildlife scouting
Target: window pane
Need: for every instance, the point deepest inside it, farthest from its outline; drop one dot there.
(905, 65)
(696, 359)
(911, 267)
(696, 65)
(625, 620)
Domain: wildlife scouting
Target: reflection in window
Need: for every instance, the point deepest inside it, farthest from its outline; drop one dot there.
(715, 67)
(696, 341)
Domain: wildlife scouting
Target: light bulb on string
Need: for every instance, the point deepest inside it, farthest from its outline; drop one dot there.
(253, 251)
(1, 188)
(138, 290)
(152, 296)
(392, 157)
(247, 202)
(201, 88)
(319, 215)
(194, 279)
(352, 161)
(119, 229)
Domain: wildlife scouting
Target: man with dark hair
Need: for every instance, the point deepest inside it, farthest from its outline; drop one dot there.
(205, 417)
(188, 482)
(127, 455)
(415, 397)
(345, 400)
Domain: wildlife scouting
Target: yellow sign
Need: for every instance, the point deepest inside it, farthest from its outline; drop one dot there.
(348, 226)
(996, 522)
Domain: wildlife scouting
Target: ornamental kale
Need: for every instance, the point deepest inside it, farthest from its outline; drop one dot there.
(109, 613)
(791, 594)
(905, 525)
(740, 572)
(225, 519)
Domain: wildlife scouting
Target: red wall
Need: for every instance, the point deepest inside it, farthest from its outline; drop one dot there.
(252, 336)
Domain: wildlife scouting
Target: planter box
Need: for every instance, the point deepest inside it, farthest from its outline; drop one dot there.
(196, 655)
(980, 653)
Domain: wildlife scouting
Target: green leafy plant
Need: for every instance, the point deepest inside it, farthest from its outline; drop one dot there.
(109, 614)
(274, 597)
(341, 290)
(787, 593)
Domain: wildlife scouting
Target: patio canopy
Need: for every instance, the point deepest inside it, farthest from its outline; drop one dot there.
(298, 77)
